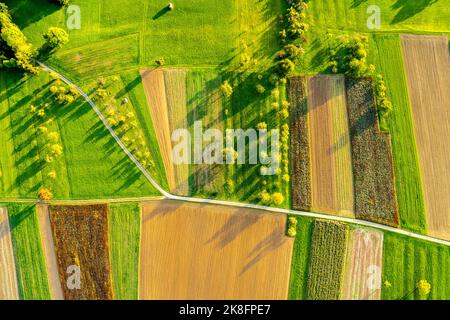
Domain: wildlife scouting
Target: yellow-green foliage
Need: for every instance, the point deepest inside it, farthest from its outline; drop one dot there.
(21, 52)
(327, 260)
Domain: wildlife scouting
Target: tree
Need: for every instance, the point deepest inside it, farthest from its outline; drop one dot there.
(45, 194)
(55, 38)
(226, 89)
(15, 50)
(277, 198)
(285, 67)
(424, 288)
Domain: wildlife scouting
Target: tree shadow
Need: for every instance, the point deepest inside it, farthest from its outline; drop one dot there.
(26, 13)
(408, 8)
(160, 13)
(357, 3)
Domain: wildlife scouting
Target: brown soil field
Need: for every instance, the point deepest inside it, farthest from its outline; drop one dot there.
(204, 252)
(364, 266)
(175, 84)
(8, 276)
(373, 167)
(81, 239)
(332, 177)
(51, 262)
(155, 90)
(428, 71)
(300, 144)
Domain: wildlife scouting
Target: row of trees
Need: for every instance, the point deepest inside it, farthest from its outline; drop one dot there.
(292, 37)
(16, 51)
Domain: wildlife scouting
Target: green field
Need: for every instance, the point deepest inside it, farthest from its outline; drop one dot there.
(28, 252)
(406, 261)
(327, 261)
(386, 54)
(396, 15)
(92, 164)
(125, 235)
(298, 283)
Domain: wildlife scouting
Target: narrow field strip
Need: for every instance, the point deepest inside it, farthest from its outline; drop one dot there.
(81, 239)
(362, 280)
(324, 197)
(327, 260)
(48, 246)
(155, 91)
(332, 176)
(300, 144)
(8, 277)
(125, 234)
(28, 252)
(373, 168)
(429, 83)
(176, 96)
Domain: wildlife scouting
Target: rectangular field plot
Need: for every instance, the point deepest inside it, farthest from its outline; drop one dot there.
(8, 277)
(82, 242)
(373, 169)
(300, 144)
(406, 261)
(428, 71)
(332, 178)
(362, 280)
(327, 260)
(166, 96)
(196, 251)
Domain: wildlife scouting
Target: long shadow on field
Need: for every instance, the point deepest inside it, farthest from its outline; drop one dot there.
(164, 208)
(357, 3)
(26, 13)
(17, 218)
(160, 13)
(127, 172)
(409, 8)
(271, 243)
(236, 224)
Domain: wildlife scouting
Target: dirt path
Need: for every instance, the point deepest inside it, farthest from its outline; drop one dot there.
(8, 276)
(45, 230)
(428, 72)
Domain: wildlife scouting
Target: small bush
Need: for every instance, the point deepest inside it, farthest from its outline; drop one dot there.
(45, 194)
(260, 89)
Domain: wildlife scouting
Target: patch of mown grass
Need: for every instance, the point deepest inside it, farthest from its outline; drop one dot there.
(29, 255)
(327, 260)
(406, 261)
(298, 283)
(125, 234)
(386, 54)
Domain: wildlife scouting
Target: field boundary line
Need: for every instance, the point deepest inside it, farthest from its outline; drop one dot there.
(170, 196)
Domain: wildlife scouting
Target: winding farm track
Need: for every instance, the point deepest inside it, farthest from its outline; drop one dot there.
(167, 195)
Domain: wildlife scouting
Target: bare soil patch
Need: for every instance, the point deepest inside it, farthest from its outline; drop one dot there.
(196, 251)
(428, 71)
